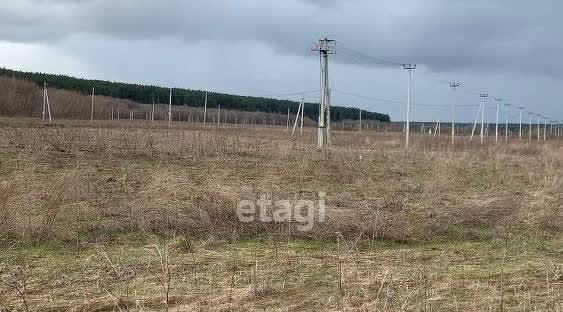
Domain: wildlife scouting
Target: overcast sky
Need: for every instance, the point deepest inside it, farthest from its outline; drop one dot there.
(506, 48)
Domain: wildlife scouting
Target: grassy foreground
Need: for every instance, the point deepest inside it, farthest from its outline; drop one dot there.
(132, 216)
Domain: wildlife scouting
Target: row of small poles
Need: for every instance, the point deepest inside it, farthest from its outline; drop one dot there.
(46, 111)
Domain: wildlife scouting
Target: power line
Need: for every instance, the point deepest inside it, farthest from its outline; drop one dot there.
(368, 98)
(288, 94)
(361, 55)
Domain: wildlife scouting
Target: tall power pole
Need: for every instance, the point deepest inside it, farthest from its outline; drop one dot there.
(325, 48)
(483, 101)
(545, 128)
(409, 68)
(454, 86)
(539, 125)
(530, 126)
(520, 108)
(506, 124)
(497, 100)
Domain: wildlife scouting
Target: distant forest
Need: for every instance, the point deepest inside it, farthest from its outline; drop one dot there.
(195, 98)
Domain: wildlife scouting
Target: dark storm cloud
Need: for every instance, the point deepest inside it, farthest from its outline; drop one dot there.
(443, 35)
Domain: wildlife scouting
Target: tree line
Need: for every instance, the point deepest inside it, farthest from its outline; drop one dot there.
(146, 94)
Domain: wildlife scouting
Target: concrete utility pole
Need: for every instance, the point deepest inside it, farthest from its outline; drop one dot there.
(328, 121)
(360, 120)
(545, 129)
(483, 99)
(520, 133)
(475, 122)
(507, 117)
(218, 116)
(287, 126)
(152, 112)
(530, 126)
(497, 100)
(46, 104)
(44, 101)
(409, 68)
(539, 125)
(297, 116)
(454, 86)
(170, 109)
(92, 109)
(205, 110)
(302, 109)
(325, 47)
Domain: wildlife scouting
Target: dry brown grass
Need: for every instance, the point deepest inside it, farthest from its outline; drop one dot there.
(113, 187)
(132, 177)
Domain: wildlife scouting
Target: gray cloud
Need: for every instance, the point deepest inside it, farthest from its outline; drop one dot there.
(443, 35)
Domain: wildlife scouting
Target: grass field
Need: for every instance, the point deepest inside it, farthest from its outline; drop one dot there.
(134, 216)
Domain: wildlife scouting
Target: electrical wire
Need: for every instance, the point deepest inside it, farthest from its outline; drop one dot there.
(368, 98)
(288, 94)
(360, 54)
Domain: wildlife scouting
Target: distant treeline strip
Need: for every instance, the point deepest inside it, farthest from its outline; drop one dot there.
(195, 98)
